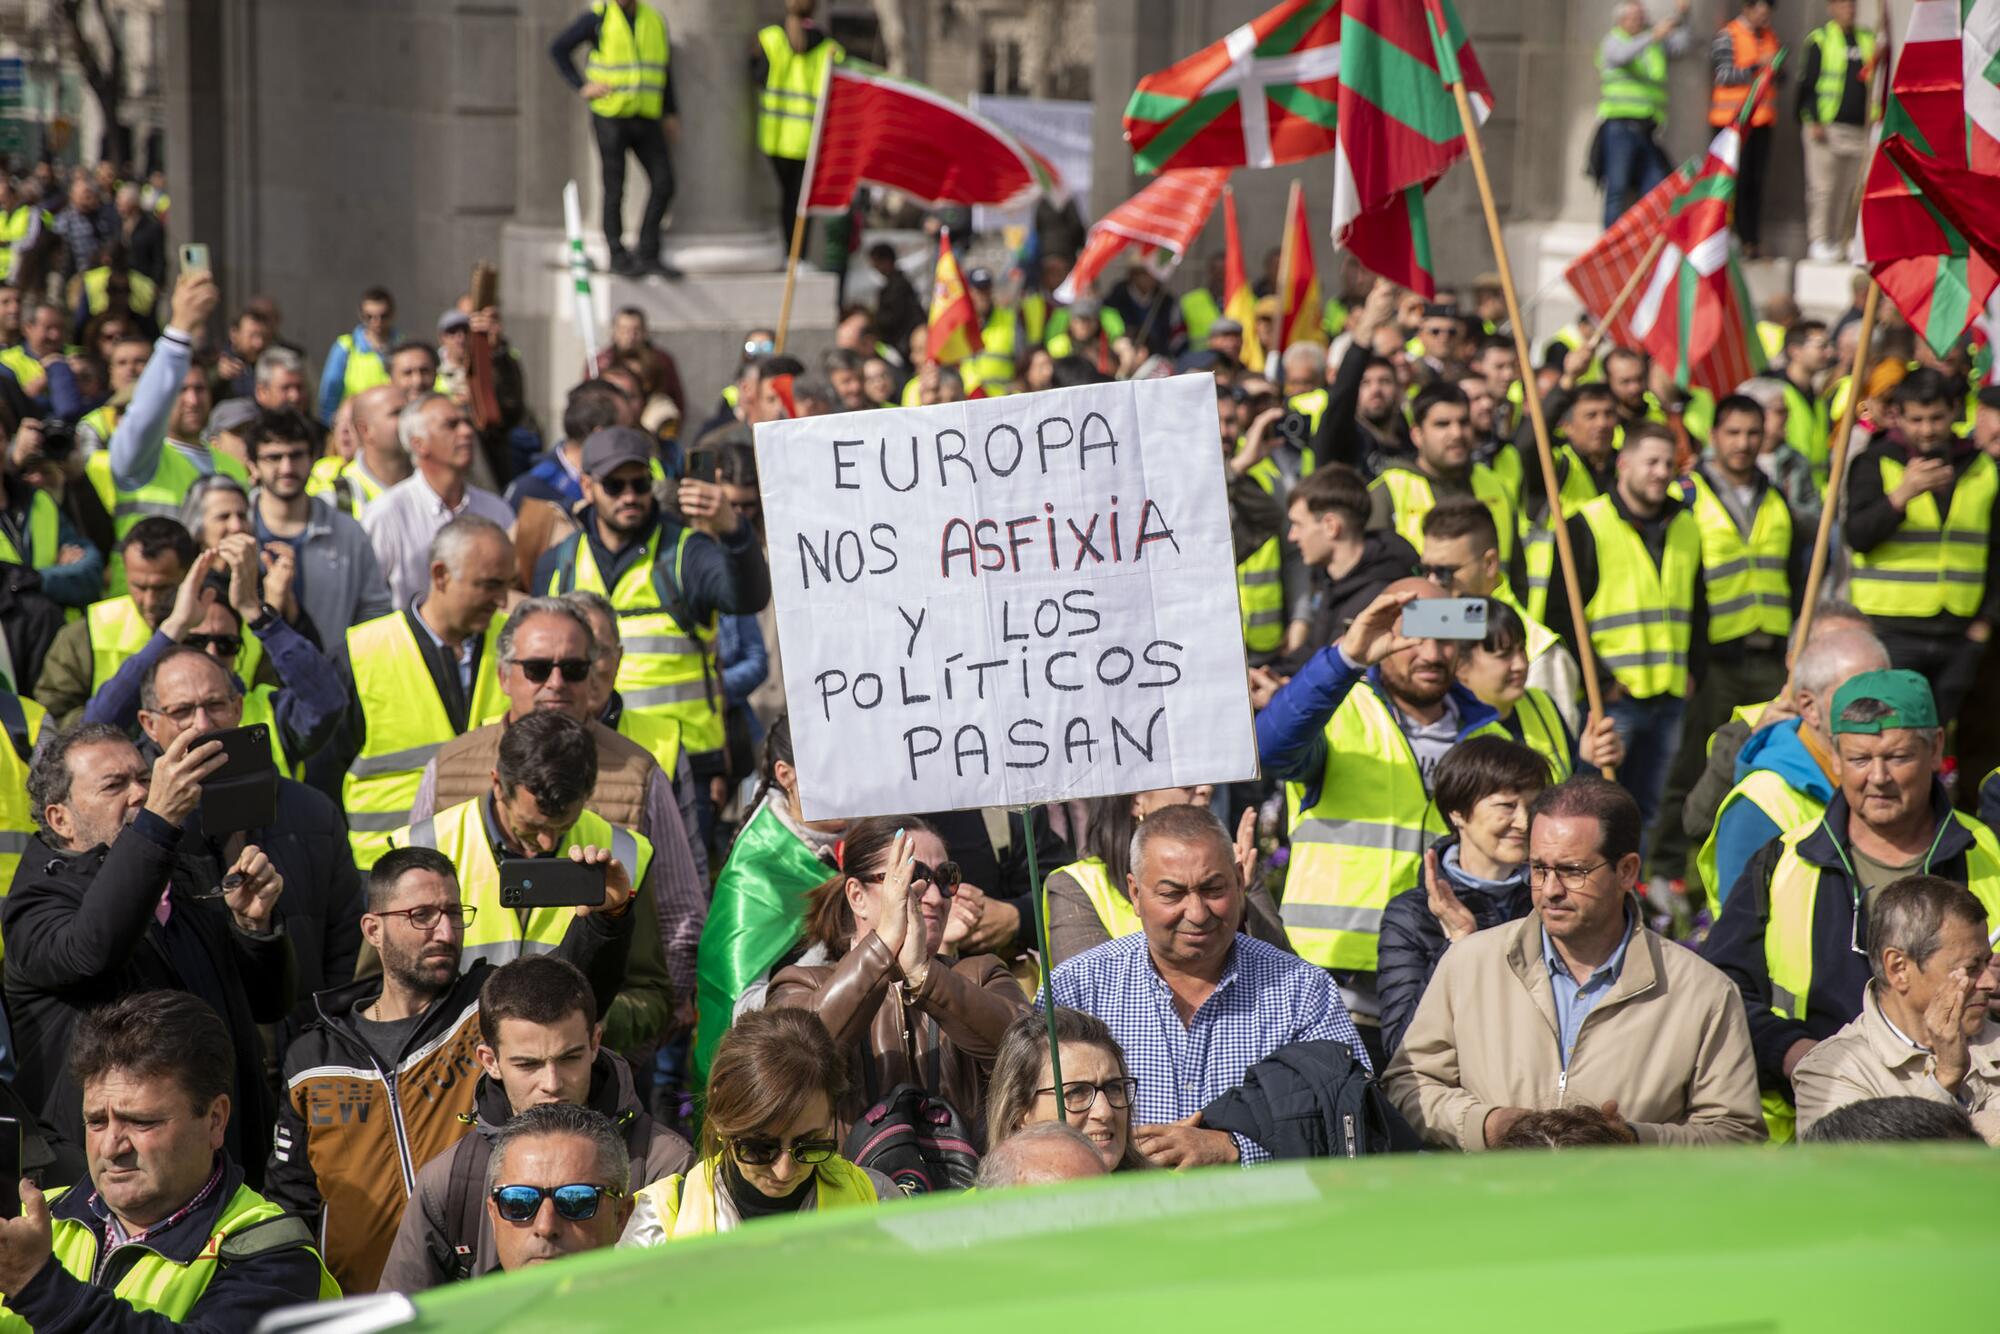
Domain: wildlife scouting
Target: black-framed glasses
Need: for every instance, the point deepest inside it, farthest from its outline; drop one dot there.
(1572, 878)
(214, 706)
(426, 918)
(763, 1150)
(537, 670)
(945, 875)
(631, 486)
(1078, 1096)
(576, 1202)
(1437, 574)
(221, 646)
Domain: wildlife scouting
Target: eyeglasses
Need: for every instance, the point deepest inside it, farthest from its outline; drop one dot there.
(1439, 574)
(763, 1150)
(945, 875)
(1078, 1097)
(631, 486)
(184, 713)
(427, 917)
(1572, 878)
(220, 646)
(537, 669)
(576, 1202)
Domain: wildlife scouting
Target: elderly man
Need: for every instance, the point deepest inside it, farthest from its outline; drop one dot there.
(1924, 1030)
(1356, 753)
(116, 896)
(1795, 931)
(137, 1250)
(1040, 1155)
(441, 443)
(546, 659)
(1500, 1031)
(557, 1184)
(1193, 1002)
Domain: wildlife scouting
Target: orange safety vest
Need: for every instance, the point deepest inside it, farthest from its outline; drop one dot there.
(1726, 99)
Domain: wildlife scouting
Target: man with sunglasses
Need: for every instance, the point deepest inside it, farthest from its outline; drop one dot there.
(1794, 931)
(670, 574)
(558, 1183)
(381, 1082)
(546, 656)
(539, 1045)
(1577, 1003)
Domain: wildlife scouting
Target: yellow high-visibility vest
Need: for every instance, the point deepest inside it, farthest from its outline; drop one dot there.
(1642, 615)
(686, 1203)
(1114, 910)
(1932, 564)
(791, 92)
(630, 58)
(1748, 582)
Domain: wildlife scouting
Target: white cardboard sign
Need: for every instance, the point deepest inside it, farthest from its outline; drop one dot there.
(1007, 601)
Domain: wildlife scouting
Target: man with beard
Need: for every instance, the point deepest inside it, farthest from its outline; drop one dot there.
(336, 579)
(1356, 736)
(382, 1081)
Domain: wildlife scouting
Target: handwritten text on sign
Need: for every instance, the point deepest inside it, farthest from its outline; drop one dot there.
(1008, 600)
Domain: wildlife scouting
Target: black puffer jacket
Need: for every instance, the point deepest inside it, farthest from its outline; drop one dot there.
(1412, 941)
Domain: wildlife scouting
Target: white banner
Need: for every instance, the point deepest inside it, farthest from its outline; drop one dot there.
(1007, 600)
(1058, 130)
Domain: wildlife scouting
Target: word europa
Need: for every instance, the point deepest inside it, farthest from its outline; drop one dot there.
(1004, 450)
(975, 545)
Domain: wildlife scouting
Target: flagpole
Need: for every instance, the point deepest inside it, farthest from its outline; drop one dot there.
(1285, 264)
(1625, 293)
(1551, 484)
(1836, 476)
(799, 217)
(1038, 904)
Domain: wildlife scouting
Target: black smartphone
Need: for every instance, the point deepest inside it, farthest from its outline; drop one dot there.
(10, 1167)
(550, 882)
(243, 793)
(703, 463)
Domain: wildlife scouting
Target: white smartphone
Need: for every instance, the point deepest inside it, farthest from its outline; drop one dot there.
(1445, 618)
(194, 255)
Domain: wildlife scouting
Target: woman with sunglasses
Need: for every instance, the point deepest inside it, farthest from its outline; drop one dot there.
(770, 1144)
(879, 976)
(1097, 1089)
(1496, 670)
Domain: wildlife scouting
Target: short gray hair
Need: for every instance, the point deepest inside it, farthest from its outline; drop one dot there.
(450, 543)
(410, 421)
(614, 1162)
(1185, 823)
(149, 686)
(49, 777)
(1910, 914)
(198, 495)
(531, 607)
(1829, 659)
(592, 603)
(1030, 1157)
(277, 359)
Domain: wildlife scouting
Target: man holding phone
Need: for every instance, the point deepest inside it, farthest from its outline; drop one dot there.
(112, 898)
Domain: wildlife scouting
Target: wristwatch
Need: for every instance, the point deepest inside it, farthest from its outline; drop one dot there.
(267, 618)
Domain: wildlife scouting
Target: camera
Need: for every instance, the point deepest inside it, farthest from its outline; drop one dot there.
(58, 439)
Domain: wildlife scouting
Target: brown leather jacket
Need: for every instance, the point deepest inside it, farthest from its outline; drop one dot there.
(944, 1037)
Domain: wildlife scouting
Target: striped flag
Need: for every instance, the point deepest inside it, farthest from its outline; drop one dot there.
(1239, 298)
(1598, 275)
(1165, 216)
(1299, 304)
(1694, 313)
(954, 323)
(1944, 107)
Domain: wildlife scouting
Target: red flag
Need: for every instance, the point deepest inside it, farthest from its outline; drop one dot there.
(1239, 298)
(1166, 215)
(874, 129)
(1298, 305)
(1598, 275)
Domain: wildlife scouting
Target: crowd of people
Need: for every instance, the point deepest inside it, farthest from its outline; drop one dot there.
(1752, 897)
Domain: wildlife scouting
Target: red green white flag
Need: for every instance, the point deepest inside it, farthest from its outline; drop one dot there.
(1599, 274)
(1164, 217)
(1944, 108)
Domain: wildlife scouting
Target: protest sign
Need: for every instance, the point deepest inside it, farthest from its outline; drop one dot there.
(1009, 600)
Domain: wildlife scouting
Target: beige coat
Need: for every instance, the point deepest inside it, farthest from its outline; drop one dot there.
(1668, 1041)
(1867, 1059)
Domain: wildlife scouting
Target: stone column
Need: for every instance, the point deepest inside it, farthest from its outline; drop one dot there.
(725, 198)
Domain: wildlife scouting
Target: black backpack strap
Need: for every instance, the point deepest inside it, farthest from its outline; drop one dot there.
(14, 719)
(463, 1210)
(283, 1233)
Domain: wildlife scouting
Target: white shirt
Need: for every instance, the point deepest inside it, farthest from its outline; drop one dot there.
(402, 523)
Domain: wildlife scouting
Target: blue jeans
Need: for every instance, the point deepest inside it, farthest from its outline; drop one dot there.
(1651, 731)
(1633, 165)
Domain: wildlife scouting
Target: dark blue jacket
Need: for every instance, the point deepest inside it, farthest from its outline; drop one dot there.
(1412, 940)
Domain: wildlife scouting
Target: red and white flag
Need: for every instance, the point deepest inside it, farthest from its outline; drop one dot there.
(1165, 216)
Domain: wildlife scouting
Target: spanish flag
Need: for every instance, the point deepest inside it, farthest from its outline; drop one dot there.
(1299, 302)
(954, 325)
(1239, 298)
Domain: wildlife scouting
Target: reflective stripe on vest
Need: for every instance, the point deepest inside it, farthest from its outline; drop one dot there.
(500, 934)
(1635, 90)
(664, 671)
(43, 544)
(1807, 428)
(365, 369)
(406, 726)
(791, 92)
(1413, 495)
(24, 720)
(1748, 48)
(1544, 732)
(1930, 567)
(1782, 804)
(1749, 587)
(1362, 842)
(1114, 911)
(1641, 616)
(1540, 638)
(686, 1204)
(155, 1285)
(1831, 87)
(630, 58)
(173, 477)
(1260, 591)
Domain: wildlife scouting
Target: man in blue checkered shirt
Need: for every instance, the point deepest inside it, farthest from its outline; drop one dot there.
(1193, 1002)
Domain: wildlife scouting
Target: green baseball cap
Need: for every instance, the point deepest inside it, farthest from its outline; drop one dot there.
(1907, 695)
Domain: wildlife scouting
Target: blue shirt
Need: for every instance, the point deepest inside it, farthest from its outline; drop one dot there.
(1575, 1000)
(1266, 999)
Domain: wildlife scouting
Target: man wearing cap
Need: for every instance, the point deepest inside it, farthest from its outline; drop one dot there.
(669, 576)
(1083, 329)
(1794, 931)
